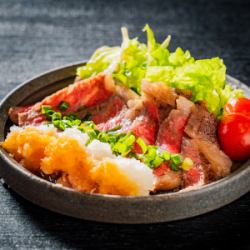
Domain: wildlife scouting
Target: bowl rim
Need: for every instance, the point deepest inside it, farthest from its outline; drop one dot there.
(244, 169)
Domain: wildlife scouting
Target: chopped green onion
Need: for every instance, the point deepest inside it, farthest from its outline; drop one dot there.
(129, 140)
(103, 137)
(90, 124)
(124, 145)
(166, 156)
(72, 116)
(56, 116)
(142, 144)
(121, 148)
(76, 122)
(173, 166)
(151, 154)
(115, 128)
(63, 106)
(68, 123)
(187, 164)
(157, 161)
(59, 124)
(47, 111)
(176, 159)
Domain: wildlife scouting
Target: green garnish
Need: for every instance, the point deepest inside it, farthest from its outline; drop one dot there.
(124, 145)
(115, 128)
(47, 111)
(166, 156)
(120, 143)
(150, 156)
(63, 106)
(173, 166)
(187, 164)
(59, 124)
(176, 159)
(56, 116)
(142, 144)
(158, 160)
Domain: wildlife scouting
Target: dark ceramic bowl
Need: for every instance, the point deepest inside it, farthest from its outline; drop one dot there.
(108, 208)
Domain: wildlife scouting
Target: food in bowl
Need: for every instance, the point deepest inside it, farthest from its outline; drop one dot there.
(137, 120)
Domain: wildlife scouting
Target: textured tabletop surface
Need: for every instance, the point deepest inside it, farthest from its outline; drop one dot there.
(36, 36)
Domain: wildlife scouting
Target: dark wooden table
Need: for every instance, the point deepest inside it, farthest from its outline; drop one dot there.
(40, 35)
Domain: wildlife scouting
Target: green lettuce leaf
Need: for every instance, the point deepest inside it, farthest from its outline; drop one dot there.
(157, 54)
(102, 59)
(132, 65)
(134, 61)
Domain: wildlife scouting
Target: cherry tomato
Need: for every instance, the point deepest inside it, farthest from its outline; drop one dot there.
(240, 105)
(234, 135)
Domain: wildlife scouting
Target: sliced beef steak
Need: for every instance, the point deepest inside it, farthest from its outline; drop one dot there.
(169, 138)
(125, 93)
(147, 123)
(219, 161)
(19, 115)
(184, 104)
(167, 179)
(85, 93)
(202, 124)
(196, 176)
(107, 110)
(172, 128)
(202, 127)
(163, 111)
(160, 92)
(171, 131)
(141, 119)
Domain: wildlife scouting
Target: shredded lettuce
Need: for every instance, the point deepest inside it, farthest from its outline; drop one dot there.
(134, 61)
